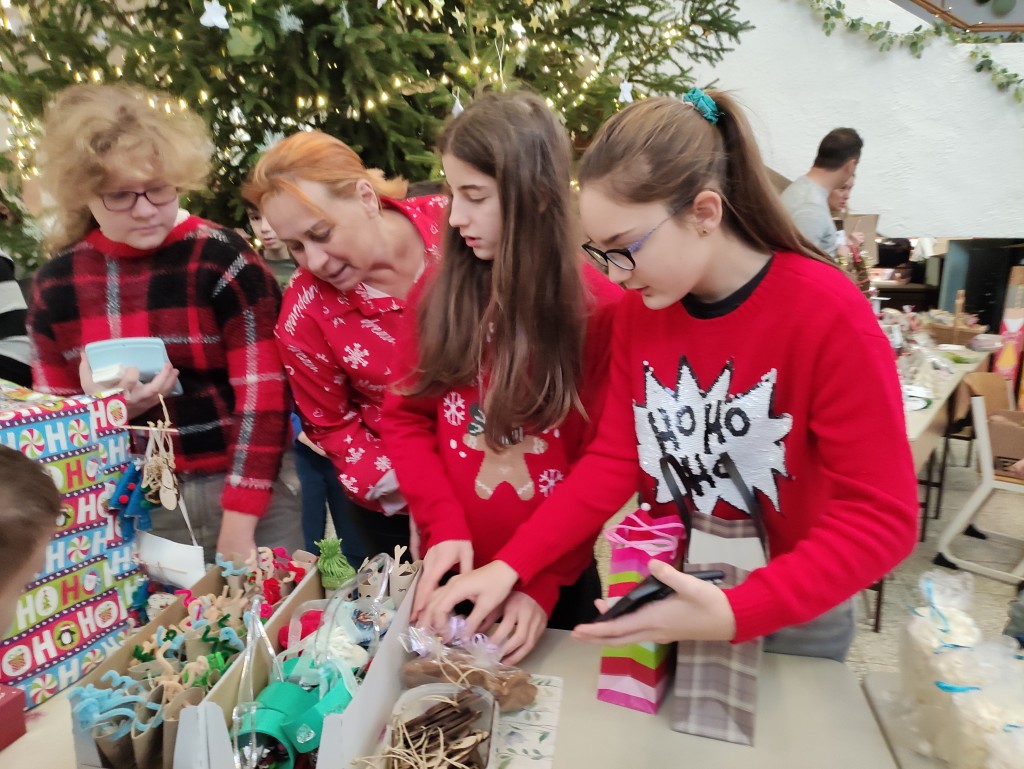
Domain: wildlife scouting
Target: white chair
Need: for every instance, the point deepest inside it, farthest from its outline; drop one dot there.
(990, 481)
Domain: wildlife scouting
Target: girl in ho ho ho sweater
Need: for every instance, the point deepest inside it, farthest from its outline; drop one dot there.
(736, 336)
(504, 374)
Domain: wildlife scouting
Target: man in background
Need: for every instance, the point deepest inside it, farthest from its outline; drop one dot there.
(806, 198)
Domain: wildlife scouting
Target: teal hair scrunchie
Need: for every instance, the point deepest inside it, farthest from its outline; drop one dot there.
(703, 103)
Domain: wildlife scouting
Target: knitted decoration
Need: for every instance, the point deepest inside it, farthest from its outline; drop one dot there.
(335, 570)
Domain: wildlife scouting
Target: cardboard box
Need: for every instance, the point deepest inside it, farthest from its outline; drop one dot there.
(1006, 430)
(86, 754)
(204, 732)
(74, 612)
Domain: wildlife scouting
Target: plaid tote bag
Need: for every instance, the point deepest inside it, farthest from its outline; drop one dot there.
(715, 690)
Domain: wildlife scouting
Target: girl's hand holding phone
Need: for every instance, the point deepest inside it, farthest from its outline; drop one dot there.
(699, 611)
(139, 397)
(439, 560)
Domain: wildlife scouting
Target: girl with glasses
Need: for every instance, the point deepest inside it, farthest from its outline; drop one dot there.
(737, 340)
(502, 378)
(128, 262)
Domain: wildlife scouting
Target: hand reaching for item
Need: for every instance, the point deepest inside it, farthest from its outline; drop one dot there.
(237, 536)
(439, 560)
(699, 611)
(139, 397)
(522, 623)
(487, 587)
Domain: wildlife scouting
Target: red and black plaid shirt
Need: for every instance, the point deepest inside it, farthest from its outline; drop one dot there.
(214, 303)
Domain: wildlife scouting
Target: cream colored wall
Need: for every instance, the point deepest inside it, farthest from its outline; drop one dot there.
(944, 150)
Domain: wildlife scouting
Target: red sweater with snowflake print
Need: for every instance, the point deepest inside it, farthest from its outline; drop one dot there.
(338, 350)
(459, 488)
(798, 385)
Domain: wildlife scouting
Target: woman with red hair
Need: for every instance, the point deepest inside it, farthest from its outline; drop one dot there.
(360, 250)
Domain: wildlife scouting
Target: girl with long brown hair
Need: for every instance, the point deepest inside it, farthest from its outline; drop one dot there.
(737, 340)
(504, 373)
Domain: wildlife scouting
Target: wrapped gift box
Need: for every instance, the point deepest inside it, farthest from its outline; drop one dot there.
(74, 612)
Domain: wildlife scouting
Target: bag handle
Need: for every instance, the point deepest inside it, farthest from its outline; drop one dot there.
(753, 506)
(653, 547)
(668, 527)
(671, 471)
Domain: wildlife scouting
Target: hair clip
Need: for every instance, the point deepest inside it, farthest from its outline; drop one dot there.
(703, 103)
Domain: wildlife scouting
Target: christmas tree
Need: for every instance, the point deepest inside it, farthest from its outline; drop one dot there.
(382, 75)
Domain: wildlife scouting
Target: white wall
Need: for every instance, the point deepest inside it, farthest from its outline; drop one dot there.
(944, 150)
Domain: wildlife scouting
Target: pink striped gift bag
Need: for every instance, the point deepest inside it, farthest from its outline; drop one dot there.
(637, 676)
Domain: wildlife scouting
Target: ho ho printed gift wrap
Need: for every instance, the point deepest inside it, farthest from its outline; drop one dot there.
(637, 675)
(74, 612)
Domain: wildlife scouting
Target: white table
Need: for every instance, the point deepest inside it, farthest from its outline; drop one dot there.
(48, 743)
(811, 714)
(926, 428)
(881, 689)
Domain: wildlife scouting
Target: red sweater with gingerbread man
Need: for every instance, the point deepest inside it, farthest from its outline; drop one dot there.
(458, 487)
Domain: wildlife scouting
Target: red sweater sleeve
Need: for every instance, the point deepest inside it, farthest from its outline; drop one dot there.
(323, 393)
(256, 438)
(51, 372)
(870, 523)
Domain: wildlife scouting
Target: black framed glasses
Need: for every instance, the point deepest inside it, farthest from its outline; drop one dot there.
(622, 257)
(125, 200)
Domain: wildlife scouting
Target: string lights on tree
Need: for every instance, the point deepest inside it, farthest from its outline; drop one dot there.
(380, 75)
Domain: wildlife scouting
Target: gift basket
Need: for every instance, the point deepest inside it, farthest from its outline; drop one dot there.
(127, 711)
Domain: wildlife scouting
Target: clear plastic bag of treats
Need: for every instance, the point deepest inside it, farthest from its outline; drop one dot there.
(984, 712)
(1006, 748)
(942, 623)
(474, 662)
(957, 674)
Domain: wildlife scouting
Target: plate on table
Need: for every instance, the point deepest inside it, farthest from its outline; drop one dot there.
(914, 403)
(917, 391)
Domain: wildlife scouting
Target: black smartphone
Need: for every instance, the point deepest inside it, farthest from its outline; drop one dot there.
(652, 589)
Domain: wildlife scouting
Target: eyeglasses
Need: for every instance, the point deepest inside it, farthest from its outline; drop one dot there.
(125, 200)
(622, 257)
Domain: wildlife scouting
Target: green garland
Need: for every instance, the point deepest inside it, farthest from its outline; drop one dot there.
(833, 13)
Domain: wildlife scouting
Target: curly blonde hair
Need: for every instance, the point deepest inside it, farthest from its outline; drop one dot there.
(94, 132)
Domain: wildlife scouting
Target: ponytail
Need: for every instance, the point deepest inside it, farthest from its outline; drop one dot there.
(663, 150)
